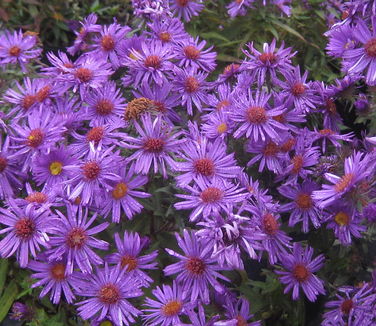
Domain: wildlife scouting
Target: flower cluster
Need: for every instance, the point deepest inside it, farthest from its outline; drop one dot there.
(83, 156)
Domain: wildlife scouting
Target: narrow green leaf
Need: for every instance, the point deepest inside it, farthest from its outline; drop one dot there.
(3, 273)
(7, 299)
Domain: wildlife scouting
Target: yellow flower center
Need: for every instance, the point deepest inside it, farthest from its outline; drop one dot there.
(222, 128)
(56, 168)
(342, 218)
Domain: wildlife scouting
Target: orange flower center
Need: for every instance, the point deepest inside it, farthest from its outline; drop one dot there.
(58, 272)
(257, 115)
(231, 67)
(370, 47)
(280, 118)
(182, 3)
(191, 52)
(240, 321)
(191, 84)
(271, 149)
(28, 101)
(24, 228)
(222, 105)
(268, 57)
(91, 170)
(15, 51)
(109, 294)
(344, 182)
(288, 145)
(43, 93)
(107, 43)
(346, 306)
(298, 89)
(297, 163)
(211, 195)
(104, 107)
(222, 127)
(152, 61)
(154, 145)
(341, 218)
(76, 238)
(172, 308)
(326, 132)
(165, 36)
(136, 107)
(270, 224)
(195, 266)
(37, 197)
(204, 166)
(3, 164)
(120, 190)
(129, 263)
(84, 75)
(301, 273)
(304, 201)
(331, 106)
(95, 134)
(35, 138)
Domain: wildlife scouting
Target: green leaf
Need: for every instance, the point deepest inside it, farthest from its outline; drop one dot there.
(214, 35)
(7, 299)
(3, 273)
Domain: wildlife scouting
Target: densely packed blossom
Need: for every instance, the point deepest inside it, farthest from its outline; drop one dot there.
(132, 135)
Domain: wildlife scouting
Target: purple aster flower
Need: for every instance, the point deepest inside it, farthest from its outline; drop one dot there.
(297, 92)
(355, 170)
(210, 197)
(238, 7)
(49, 169)
(304, 207)
(53, 277)
(151, 9)
(27, 230)
(357, 60)
(186, 8)
(170, 303)
(362, 103)
(120, 196)
(73, 240)
(196, 269)
(128, 255)
(39, 134)
(191, 53)
(24, 99)
(59, 64)
(340, 39)
(9, 170)
(275, 241)
(155, 146)
(345, 222)
(354, 306)
(299, 272)
(327, 134)
(107, 44)
(222, 100)
(108, 290)
(164, 99)
(190, 84)
(255, 117)
(93, 176)
(88, 25)
(268, 153)
(369, 212)
(253, 187)
(269, 61)
(199, 318)
(230, 237)
(18, 48)
(206, 159)
(238, 313)
(20, 311)
(67, 108)
(105, 104)
(152, 63)
(45, 198)
(102, 136)
(88, 72)
(305, 156)
(229, 73)
(168, 30)
(218, 124)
